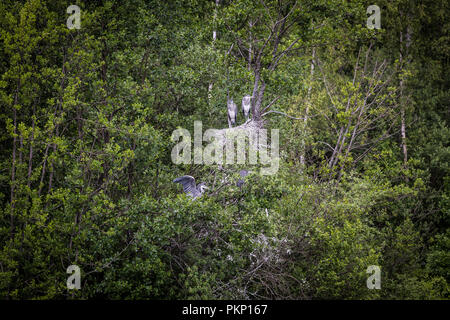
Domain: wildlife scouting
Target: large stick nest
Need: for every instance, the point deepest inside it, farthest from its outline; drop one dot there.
(247, 129)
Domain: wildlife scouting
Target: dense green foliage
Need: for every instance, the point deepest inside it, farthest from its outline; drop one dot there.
(86, 172)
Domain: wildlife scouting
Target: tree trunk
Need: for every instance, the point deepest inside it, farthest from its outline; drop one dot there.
(259, 87)
(30, 156)
(250, 55)
(308, 103)
(13, 173)
(210, 86)
(402, 95)
(13, 166)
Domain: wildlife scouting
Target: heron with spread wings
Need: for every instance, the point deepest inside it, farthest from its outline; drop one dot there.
(243, 174)
(189, 187)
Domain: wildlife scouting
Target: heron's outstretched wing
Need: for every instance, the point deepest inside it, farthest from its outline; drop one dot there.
(188, 183)
(243, 174)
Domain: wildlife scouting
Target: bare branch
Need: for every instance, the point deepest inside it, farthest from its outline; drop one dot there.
(273, 65)
(282, 113)
(270, 104)
(325, 83)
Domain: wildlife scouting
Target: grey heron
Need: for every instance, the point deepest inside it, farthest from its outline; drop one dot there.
(232, 112)
(189, 187)
(246, 105)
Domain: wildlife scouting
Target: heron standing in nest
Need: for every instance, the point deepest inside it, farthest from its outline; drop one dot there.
(246, 106)
(232, 112)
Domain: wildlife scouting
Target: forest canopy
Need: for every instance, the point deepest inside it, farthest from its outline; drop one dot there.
(358, 116)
